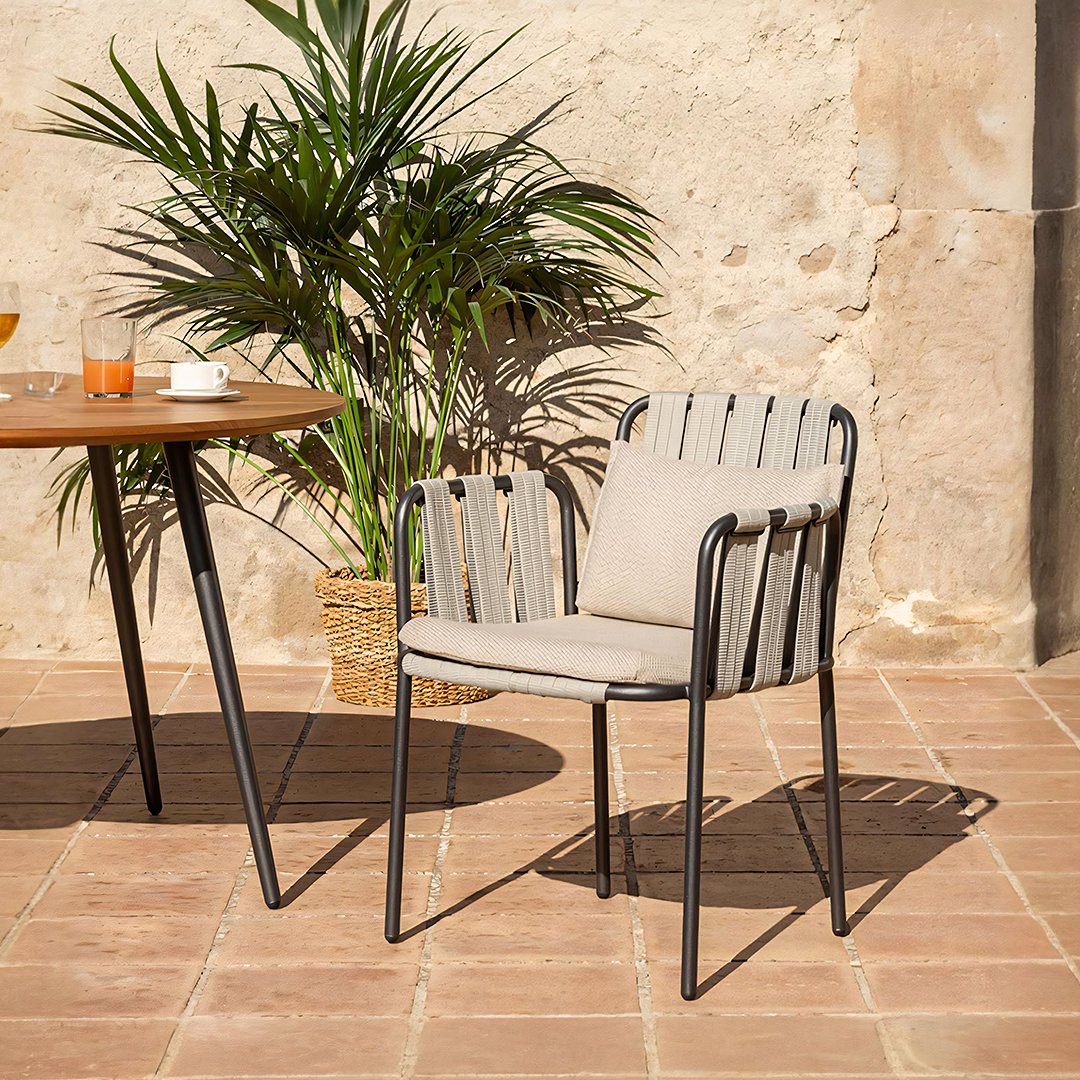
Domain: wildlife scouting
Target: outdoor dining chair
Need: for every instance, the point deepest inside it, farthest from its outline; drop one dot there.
(711, 569)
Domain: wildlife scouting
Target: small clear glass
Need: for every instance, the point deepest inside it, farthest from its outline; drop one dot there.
(9, 316)
(108, 352)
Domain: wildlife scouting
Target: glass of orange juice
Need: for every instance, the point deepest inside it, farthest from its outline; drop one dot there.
(108, 352)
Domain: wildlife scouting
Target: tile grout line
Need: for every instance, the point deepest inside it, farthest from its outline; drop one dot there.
(995, 853)
(301, 739)
(53, 872)
(888, 1048)
(26, 698)
(1050, 713)
(228, 914)
(641, 960)
(418, 1014)
(50, 876)
(224, 926)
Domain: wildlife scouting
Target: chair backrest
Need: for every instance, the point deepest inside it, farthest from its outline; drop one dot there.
(776, 609)
(767, 628)
(496, 594)
(754, 430)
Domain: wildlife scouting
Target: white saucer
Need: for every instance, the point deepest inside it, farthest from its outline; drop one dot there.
(197, 395)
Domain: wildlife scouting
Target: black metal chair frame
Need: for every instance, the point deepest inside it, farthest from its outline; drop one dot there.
(703, 673)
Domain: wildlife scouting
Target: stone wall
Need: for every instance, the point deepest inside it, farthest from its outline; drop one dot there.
(845, 195)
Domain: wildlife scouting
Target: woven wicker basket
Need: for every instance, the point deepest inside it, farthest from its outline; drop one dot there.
(360, 620)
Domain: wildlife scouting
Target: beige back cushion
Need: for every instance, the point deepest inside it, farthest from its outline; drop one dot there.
(650, 519)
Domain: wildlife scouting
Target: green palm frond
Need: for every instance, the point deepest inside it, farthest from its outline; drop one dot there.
(343, 217)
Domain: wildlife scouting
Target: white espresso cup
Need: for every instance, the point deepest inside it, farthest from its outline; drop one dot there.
(201, 375)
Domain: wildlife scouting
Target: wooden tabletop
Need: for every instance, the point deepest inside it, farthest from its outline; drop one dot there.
(68, 418)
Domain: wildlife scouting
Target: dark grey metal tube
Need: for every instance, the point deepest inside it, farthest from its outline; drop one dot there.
(695, 782)
(107, 499)
(399, 779)
(600, 800)
(185, 481)
(831, 771)
(399, 786)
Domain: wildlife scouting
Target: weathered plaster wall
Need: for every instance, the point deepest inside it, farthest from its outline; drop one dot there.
(944, 111)
(845, 193)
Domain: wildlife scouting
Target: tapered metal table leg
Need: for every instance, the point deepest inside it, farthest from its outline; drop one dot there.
(107, 498)
(185, 482)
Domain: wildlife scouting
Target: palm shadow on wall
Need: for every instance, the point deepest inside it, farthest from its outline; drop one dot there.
(531, 403)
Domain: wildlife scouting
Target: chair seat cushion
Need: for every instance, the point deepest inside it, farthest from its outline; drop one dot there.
(577, 646)
(653, 511)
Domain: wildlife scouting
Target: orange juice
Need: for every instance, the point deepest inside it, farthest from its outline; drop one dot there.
(109, 376)
(8, 322)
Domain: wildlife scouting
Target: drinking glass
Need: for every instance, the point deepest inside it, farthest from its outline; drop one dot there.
(9, 317)
(108, 349)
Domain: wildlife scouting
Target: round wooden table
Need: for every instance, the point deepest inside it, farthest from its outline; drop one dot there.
(68, 418)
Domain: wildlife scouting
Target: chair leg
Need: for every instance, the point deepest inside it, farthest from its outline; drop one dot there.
(398, 794)
(831, 772)
(695, 780)
(600, 799)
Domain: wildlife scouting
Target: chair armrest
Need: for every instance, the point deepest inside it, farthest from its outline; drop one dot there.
(774, 623)
(444, 545)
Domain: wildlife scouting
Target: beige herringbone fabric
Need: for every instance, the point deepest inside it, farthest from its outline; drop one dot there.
(578, 646)
(665, 423)
(530, 547)
(737, 594)
(485, 559)
(782, 434)
(442, 564)
(808, 633)
(641, 559)
(745, 430)
(495, 679)
(814, 434)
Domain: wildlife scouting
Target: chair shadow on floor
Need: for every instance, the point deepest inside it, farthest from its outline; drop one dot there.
(892, 827)
(766, 853)
(62, 773)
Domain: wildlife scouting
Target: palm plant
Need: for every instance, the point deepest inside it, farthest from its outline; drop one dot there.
(344, 217)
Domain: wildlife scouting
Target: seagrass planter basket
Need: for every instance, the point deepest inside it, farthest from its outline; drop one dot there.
(360, 620)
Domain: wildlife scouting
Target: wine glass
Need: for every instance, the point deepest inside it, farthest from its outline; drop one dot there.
(9, 317)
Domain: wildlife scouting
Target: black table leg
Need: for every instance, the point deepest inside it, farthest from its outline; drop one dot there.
(185, 483)
(107, 498)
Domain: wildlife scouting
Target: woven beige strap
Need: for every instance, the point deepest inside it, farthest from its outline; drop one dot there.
(745, 430)
(442, 563)
(808, 627)
(530, 547)
(796, 544)
(519, 682)
(705, 424)
(736, 610)
(780, 563)
(665, 422)
(814, 434)
(485, 558)
(782, 433)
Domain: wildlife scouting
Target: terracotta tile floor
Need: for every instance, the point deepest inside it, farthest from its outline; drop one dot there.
(140, 947)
